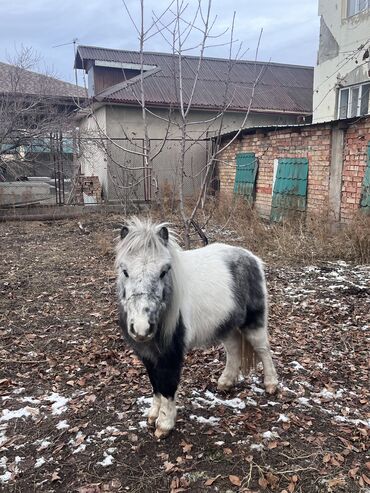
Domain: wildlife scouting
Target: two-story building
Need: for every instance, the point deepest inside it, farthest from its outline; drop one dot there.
(342, 74)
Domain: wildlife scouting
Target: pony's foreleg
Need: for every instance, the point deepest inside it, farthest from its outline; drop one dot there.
(230, 375)
(165, 377)
(156, 403)
(258, 339)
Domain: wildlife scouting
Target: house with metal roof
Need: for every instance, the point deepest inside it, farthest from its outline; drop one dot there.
(271, 94)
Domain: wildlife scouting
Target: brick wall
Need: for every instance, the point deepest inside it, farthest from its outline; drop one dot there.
(312, 142)
(356, 140)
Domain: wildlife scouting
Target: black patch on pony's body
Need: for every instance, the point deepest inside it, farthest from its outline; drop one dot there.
(165, 372)
(249, 292)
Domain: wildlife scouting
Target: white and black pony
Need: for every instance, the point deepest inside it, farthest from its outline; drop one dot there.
(171, 300)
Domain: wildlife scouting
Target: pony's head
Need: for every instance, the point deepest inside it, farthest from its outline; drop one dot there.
(144, 277)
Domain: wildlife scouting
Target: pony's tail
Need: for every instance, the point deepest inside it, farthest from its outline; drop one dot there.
(249, 359)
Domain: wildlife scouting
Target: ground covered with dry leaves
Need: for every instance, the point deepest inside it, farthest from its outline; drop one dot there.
(74, 397)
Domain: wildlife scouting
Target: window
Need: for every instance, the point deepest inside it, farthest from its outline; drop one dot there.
(354, 101)
(356, 6)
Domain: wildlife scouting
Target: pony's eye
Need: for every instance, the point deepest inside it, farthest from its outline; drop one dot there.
(125, 272)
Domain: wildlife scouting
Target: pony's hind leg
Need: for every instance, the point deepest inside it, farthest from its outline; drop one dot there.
(232, 345)
(258, 339)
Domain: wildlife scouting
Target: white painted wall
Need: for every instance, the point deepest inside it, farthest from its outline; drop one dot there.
(342, 66)
(93, 160)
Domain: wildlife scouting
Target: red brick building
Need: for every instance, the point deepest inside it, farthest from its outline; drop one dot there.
(336, 155)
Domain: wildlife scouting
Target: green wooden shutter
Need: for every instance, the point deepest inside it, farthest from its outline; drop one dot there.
(290, 188)
(365, 196)
(245, 177)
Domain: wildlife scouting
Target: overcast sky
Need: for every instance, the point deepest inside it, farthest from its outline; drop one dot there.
(290, 28)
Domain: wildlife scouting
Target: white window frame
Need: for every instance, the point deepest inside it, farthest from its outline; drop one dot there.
(350, 99)
(354, 7)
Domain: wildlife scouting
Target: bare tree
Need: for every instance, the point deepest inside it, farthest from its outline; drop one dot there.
(32, 108)
(185, 32)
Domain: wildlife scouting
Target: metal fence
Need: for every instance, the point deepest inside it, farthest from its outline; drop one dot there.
(40, 173)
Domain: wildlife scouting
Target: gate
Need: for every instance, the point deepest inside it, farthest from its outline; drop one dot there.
(290, 188)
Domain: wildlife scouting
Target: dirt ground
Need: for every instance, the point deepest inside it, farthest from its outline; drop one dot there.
(74, 397)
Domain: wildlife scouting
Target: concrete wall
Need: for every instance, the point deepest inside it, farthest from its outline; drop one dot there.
(337, 159)
(26, 192)
(340, 60)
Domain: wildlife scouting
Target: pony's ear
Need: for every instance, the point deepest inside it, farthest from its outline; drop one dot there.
(124, 232)
(163, 234)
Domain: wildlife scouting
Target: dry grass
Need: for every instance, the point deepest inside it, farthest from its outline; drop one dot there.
(300, 239)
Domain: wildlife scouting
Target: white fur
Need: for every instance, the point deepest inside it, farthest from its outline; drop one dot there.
(167, 417)
(206, 292)
(154, 409)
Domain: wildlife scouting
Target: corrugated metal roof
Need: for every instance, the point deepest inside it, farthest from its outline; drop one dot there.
(281, 88)
(17, 80)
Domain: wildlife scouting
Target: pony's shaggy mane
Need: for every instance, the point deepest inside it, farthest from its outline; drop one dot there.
(143, 238)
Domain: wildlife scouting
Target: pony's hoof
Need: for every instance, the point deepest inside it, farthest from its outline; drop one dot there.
(226, 383)
(160, 433)
(224, 386)
(271, 388)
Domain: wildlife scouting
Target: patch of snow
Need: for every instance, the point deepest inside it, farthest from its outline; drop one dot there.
(106, 431)
(24, 412)
(206, 421)
(62, 425)
(18, 391)
(40, 461)
(297, 366)
(3, 437)
(211, 401)
(43, 444)
(144, 404)
(3, 461)
(143, 424)
(304, 401)
(283, 418)
(111, 450)
(80, 448)
(4, 478)
(220, 443)
(256, 389)
(74, 441)
(356, 422)
(330, 395)
(269, 435)
(30, 400)
(107, 461)
(59, 403)
(257, 446)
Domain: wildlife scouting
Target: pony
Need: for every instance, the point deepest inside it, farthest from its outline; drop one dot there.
(171, 300)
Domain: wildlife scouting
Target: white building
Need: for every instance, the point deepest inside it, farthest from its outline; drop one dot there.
(342, 75)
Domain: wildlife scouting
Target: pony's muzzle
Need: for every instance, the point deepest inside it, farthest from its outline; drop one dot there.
(142, 335)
